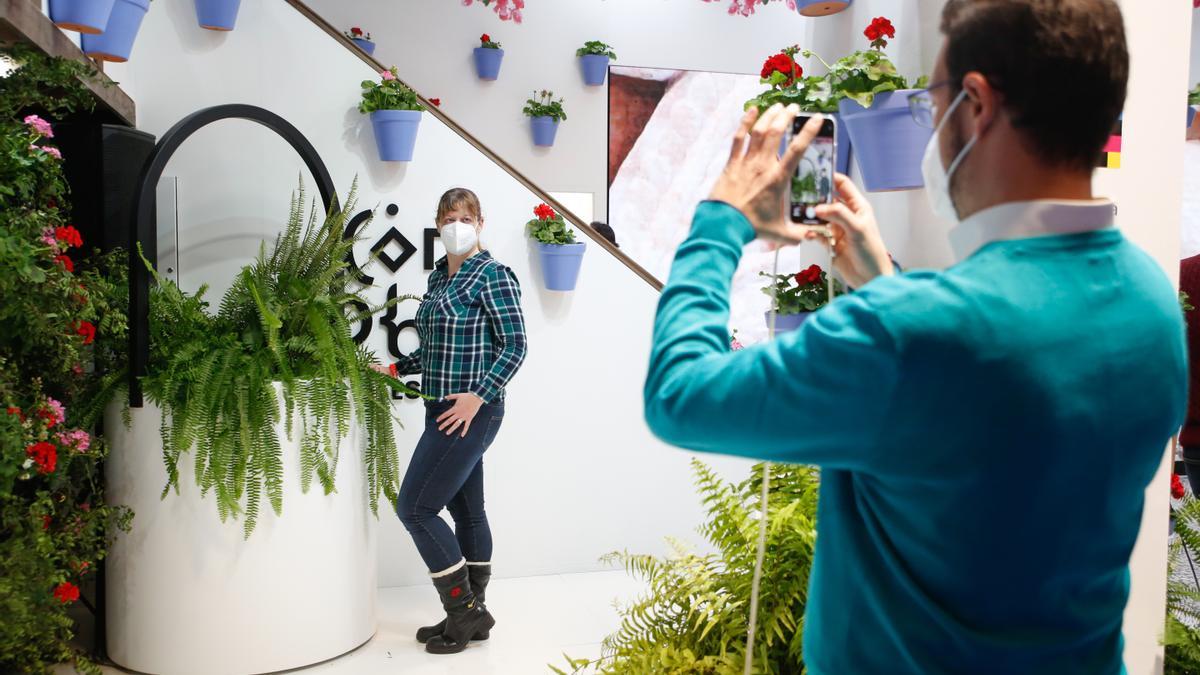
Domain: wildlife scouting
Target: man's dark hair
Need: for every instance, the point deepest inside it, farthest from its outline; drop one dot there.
(1061, 67)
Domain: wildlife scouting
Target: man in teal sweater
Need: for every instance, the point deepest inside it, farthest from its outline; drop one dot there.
(987, 432)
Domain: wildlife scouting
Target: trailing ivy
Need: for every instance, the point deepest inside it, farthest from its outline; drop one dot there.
(693, 616)
(278, 350)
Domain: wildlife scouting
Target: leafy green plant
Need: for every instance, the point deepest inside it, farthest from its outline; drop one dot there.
(56, 304)
(1194, 96)
(548, 227)
(858, 77)
(486, 42)
(596, 48)
(279, 344)
(543, 104)
(693, 617)
(804, 291)
(388, 94)
(1181, 637)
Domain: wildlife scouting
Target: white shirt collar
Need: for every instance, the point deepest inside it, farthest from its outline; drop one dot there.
(1023, 220)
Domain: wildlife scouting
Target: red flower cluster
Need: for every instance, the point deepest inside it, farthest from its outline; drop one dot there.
(44, 455)
(485, 38)
(86, 330)
(65, 261)
(393, 370)
(14, 410)
(544, 211)
(880, 28)
(46, 522)
(782, 63)
(1177, 489)
(68, 235)
(356, 31)
(66, 592)
(437, 102)
(810, 276)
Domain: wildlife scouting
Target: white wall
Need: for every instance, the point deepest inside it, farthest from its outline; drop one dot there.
(431, 42)
(574, 472)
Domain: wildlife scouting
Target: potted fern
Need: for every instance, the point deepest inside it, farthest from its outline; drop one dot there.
(594, 57)
(219, 15)
(560, 254)
(115, 42)
(395, 114)
(544, 113)
(488, 56)
(794, 297)
(83, 16)
(361, 39)
(692, 618)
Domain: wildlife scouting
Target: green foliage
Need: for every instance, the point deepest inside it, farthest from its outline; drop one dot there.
(693, 617)
(1185, 301)
(596, 48)
(543, 104)
(1181, 636)
(1194, 96)
(805, 291)
(279, 345)
(550, 228)
(388, 94)
(55, 524)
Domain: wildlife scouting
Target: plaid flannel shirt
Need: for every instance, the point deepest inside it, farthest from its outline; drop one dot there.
(471, 329)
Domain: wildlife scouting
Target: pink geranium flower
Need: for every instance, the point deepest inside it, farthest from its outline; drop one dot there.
(387, 76)
(39, 126)
(76, 439)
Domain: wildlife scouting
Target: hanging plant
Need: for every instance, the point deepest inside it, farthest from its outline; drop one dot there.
(395, 112)
(507, 10)
(560, 254)
(361, 39)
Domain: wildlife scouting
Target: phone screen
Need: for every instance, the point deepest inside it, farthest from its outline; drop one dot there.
(813, 182)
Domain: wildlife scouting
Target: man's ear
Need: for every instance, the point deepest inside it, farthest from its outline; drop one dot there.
(983, 102)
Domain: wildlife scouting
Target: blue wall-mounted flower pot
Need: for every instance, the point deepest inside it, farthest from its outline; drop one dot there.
(217, 14)
(116, 42)
(560, 265)
(1191, 115)
(786, 323)
(544, 128)
(82, 16)
(487, 62)
(396, 133)
(888, 142)
(595, 69)
(821, 7)
(365, 45)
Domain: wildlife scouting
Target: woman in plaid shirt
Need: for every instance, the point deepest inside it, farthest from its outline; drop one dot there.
(472, 343)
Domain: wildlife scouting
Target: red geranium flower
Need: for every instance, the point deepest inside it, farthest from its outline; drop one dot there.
(810, 276)
(1177, 489)
(393, 370)
(782, 63)
(880, 28)
(69, 235)
(543, 211)
(66, 592)
(65, 261)
(46, 522)
(14, 410)
(44, 454)
(485, 38)
(356, 31)
(86, 330)
(436, 102)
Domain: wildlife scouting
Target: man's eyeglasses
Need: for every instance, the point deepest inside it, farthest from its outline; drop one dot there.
(923, 109)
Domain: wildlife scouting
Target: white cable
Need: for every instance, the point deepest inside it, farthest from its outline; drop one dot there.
(766, 482)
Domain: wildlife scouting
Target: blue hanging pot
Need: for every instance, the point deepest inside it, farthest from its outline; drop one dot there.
(217, 14)
(396, 133)
(116, 42)
(821, 7)
(595, 69)
(365, 45)
(487, 62)
(888, 142)
(81, 16)
(545, 128)
(786, 323)
(561, 264)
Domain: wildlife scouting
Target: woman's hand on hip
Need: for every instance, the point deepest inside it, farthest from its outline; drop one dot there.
(466, 406)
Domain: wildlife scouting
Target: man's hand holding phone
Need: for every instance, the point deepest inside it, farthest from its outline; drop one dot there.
(859, 252)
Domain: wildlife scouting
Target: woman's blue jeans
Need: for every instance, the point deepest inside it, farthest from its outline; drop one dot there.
(446, 472)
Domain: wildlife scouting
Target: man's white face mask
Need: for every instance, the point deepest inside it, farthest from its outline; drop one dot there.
(937, 177)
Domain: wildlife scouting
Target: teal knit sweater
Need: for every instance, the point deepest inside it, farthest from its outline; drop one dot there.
(986, 436)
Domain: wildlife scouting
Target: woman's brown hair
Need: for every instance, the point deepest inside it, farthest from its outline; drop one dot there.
(458, 198)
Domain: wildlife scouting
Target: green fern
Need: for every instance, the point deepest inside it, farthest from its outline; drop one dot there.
(278, 349)
(1181, 636)
(693, 616)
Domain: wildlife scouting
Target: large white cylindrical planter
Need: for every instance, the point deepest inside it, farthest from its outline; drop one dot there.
(188, 594)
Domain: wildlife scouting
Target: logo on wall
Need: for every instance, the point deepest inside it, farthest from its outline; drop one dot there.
(393, 250)
(1111, 157)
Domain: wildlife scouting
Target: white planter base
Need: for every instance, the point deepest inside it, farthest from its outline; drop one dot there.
(187, 594)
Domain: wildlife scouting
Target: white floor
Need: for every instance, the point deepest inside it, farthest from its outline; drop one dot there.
(538, 619)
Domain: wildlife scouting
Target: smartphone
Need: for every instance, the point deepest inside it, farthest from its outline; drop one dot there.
(813, 182)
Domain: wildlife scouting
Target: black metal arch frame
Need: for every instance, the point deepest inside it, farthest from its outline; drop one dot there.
(144, 227)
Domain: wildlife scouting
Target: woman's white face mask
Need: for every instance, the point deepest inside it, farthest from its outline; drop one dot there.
(459, 237)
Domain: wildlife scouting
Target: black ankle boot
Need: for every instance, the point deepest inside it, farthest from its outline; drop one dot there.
(465, 614)
(479, 575)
